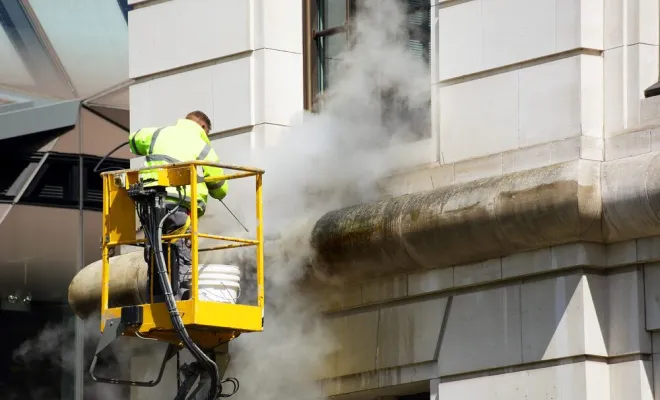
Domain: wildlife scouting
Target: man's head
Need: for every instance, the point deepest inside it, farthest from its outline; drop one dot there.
(201, 119)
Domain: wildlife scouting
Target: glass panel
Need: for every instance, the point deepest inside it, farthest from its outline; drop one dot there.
(57, 183)
(16, 187)
(30, 66)
(419, 29)
(329, 51)
(16, 171)
(13, 71)
(332, 13)
(90, 38)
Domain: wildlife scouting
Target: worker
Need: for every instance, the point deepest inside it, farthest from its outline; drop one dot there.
(187, 140)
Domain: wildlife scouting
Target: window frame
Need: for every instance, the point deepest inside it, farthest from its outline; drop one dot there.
(311, 35)
(311, 64)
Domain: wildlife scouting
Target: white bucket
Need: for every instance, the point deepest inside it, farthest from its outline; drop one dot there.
(219, 283)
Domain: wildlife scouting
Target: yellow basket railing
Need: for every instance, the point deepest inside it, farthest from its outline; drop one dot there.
(119, 222)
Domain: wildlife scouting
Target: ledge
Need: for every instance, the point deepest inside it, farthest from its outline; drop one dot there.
(462, 223)
(583, 200)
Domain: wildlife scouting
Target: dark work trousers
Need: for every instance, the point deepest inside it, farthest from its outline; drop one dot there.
(181, 250)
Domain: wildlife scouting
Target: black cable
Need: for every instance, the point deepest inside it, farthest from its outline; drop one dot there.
(154, 228)
(108, 155)
(178, 368)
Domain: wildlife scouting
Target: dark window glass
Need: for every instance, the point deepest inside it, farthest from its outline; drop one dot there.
(93, 183)
(16, 170)
(56, 183)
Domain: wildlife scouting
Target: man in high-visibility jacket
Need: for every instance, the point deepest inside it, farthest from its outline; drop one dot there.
(187, 140)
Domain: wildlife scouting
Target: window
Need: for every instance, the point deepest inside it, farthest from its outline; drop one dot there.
(57, 183)
(327, 33)
(327, 25)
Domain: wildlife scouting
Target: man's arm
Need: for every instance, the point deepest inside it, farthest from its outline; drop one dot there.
(218, 189)
(140, 141)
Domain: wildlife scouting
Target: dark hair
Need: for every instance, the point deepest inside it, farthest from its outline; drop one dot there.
(201, 116)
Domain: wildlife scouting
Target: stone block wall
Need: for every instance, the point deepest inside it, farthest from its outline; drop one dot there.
(539, 73)
(574, 319)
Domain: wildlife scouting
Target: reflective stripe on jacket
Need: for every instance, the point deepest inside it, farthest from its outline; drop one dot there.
(185, 141)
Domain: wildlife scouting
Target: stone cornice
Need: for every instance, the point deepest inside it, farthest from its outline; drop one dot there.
(579, 200)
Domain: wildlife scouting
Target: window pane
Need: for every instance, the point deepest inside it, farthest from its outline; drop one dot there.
(78, 29)
(30, 67)
(419, 29)
(13, 71)
(332, 13)
(329, 52)
(15, 173)
(57, 183)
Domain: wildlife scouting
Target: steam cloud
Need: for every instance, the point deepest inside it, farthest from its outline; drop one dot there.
(377, 99)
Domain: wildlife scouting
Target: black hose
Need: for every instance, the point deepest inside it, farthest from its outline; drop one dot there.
(109, 154)
(155, 229)
(234, 382)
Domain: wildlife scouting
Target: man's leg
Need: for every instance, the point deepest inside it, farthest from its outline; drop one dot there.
(184, 259)
(181, 249)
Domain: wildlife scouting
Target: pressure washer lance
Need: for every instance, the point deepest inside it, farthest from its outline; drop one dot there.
(235, 217)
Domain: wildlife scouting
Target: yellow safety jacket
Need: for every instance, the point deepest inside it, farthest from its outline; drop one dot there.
(185, 141)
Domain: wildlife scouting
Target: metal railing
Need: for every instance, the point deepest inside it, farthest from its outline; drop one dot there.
(118, 217)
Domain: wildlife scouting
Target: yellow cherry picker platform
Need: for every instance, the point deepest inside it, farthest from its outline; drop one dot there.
(195, 324)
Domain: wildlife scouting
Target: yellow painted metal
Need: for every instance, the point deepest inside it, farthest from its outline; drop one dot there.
(227, 246)
(231, 176)
(260, 244)
(120, 215)
(194, 238)
(209, 323)
(105, 253)
(136, 241)
(227, 238)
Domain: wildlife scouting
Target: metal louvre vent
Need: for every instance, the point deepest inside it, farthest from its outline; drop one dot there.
(94, 195)
(52, 192)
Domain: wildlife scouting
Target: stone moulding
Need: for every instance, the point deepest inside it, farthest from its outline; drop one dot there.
(580, 200)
